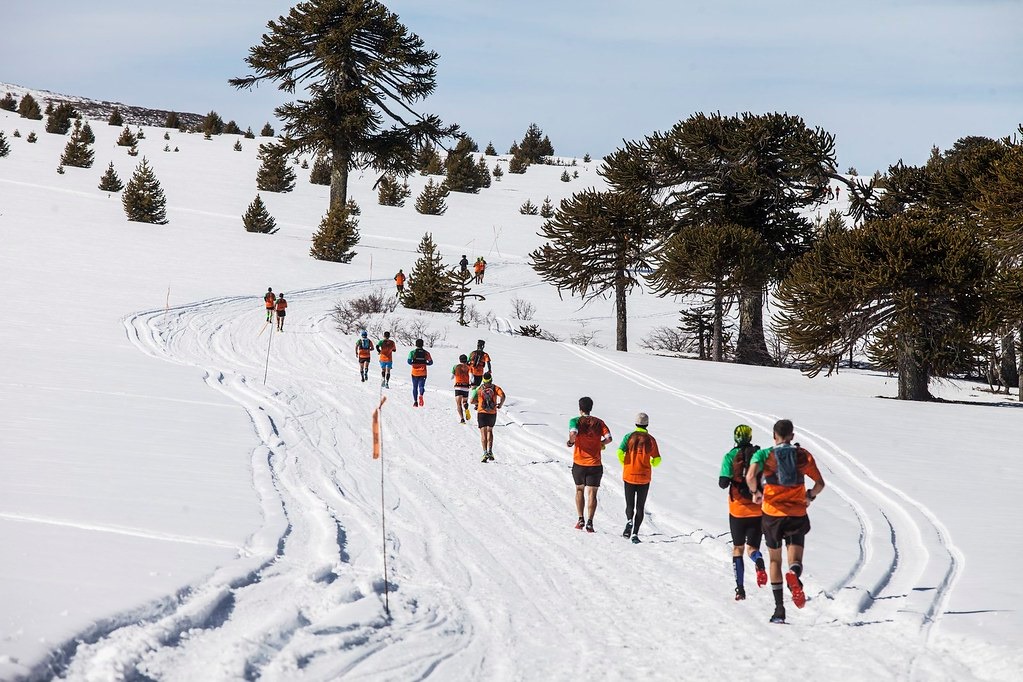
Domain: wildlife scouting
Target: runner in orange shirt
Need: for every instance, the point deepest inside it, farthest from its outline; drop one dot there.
(479, 363)
(386, 348)
(784, 498)
(269, 298)
(461, 376)
(488, 398)
(743, 514)
(363, 351)
(282, 309)
(399, 282)
(587, 436)
(638, 454)
(420, 359)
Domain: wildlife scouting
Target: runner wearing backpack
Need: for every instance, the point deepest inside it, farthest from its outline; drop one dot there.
(460, 374)
(488, 398)
(420, 359)
(743, 514)
(363, 351)
(386, 348)
(479, 363)
(270, 299)
(785, 499)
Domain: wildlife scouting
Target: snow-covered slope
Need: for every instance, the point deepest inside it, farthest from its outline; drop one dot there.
(166, 513)
(100, 110)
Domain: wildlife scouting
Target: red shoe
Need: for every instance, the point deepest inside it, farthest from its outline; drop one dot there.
(421, 401)
(579, 526)
(761, 577)
(796, 587)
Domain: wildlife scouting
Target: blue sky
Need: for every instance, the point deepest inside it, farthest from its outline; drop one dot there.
(890, 78)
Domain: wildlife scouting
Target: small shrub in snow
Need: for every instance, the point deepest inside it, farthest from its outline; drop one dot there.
(474, 318)
(528, 208)
(133, 151)
(522, 309)
(547, 208)
(60, 170)
(5, 148)
(237, 146)
(533, 331)
(166, 136)
(16, 133)
(586, 158)
(350, 316)
(565, 176)
(31, 137)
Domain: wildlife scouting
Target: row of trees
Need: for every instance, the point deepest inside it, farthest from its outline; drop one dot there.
(714, 209)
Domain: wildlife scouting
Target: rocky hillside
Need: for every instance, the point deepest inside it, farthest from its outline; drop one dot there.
(101, 109)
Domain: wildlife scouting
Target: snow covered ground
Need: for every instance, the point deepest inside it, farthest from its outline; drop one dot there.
(165, 513)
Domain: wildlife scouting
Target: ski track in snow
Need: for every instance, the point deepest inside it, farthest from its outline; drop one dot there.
(304, 597)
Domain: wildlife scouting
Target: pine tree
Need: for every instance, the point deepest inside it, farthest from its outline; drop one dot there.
(77, 152)
(231, 128)
(127, 138)
(547, 208)
(166, 136)
(597, 244)
(5, 148)
(575, 175)
(431, 200)
(115, 119)
(16, 133)
(391, 193)
(110, 182)
(133, 151)
(428, 161)
(274, 175)
(31, 137)
(534, 146)
(320, 173)
(917, 290)
(143, 198)
(166, 148)
(565, 177)
(430, 286)
(267, 130)
(498, 173)
(258, 219)
(463, 175)
(490, 151)
(528, 208)
(87, 135)
(172, 120)
(249, 135)
(337, 236)
(363, 71)
(60, 169)
(237, 145)
(58, 121)
(586, 158)
(207, 136)
(49, 108)
(517, 164)
(212, 124)
(484, 172)
(29, 108)
(8, 103)
(755, 171)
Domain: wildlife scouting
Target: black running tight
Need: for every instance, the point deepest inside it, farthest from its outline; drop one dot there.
(635, 501)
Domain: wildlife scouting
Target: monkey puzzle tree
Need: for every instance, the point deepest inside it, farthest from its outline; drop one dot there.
(754, 171)
(362, 69)
(598, 244)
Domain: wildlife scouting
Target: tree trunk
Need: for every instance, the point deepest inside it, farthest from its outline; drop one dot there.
(1020, 394)
(913, 375)
(339, 178)
(1008, 369)
(718, 314)
(622, 340)
(751, 348)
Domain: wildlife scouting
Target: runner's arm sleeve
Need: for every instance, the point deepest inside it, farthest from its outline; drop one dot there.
(655, 458)
(724, 482)
(621, 455)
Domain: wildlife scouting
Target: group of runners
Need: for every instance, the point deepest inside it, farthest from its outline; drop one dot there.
(479, 269)
(275, 303)
(767, 494)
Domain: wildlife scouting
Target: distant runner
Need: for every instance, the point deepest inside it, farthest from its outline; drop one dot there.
(743, 513)
(399, 281)
(270, 299)
(587, 436)
(363, 351)
(460, 375)
(386, 348)
(282, 309)
(488, 398)
(420, 359)
(785, 500)
(479, 363)
(638, 454)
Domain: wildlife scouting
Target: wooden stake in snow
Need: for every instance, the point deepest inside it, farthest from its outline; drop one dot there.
(378, 451)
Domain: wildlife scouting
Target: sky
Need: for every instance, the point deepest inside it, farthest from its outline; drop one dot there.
(890, 78)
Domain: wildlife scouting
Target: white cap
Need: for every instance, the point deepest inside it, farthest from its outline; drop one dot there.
(642, 419)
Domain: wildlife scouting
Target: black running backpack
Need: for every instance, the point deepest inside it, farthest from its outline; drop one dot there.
(488, 397)
(786, 457)
(740, 465)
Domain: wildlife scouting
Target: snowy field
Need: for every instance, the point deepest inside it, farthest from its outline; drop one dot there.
(165, 514)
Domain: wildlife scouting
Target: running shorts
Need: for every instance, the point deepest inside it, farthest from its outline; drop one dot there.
(484, 419)
(589, 476)
(791, 529)
(746, 530)
(461, 393)
(388, 364)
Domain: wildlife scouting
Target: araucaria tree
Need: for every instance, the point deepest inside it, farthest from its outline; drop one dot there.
(597, 244)
(362, 69)
(110, 182)
(77, 152)
(712, 262)
(258, 219)
(430, 285)
(754, 171)
(917, 290)
(274, 174)
(337, 236)
(143, 198)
